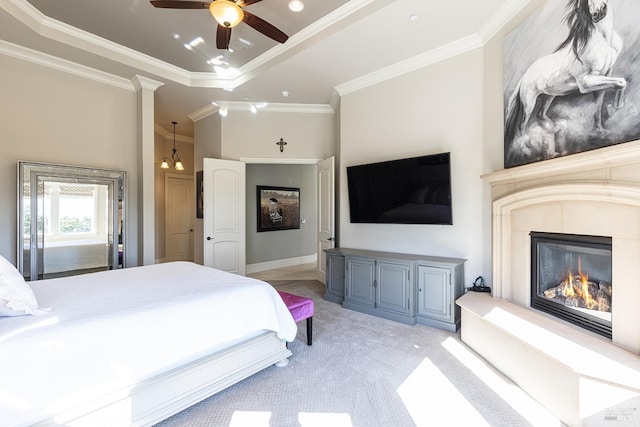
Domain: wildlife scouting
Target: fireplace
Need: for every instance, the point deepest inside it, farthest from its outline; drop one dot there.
(594, 193)
(571, 279)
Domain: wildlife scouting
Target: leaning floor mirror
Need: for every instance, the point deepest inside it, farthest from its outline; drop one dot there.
(70, 220)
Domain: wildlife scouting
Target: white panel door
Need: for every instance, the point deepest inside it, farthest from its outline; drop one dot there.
(326, 213)
(224, 215)
(179, 214)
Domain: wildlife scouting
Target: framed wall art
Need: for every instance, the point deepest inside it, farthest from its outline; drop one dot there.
(278, 208)
(569, 72)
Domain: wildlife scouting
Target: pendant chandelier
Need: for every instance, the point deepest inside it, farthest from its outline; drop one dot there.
(174, 161)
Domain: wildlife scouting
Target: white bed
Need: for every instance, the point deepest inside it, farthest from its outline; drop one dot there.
(134, 346)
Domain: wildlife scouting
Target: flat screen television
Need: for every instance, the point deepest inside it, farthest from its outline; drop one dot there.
(415, 190)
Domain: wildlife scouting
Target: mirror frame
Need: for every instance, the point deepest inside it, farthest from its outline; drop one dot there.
(29, 172)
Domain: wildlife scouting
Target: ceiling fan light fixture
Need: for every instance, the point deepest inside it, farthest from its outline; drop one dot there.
(227, 13)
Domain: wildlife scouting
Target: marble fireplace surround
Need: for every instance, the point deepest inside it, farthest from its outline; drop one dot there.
(564, 367)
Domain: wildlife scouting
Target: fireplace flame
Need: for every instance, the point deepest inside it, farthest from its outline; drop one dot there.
(577, 286)
(567, 286)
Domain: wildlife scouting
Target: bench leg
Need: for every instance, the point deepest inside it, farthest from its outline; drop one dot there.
(309, 329)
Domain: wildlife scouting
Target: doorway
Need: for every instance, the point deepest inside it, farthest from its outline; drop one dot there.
(179, 217)
(269, 249)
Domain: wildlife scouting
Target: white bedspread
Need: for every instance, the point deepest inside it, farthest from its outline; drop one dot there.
(112, 329)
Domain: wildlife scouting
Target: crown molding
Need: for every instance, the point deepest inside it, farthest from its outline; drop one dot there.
(465, 44)
(433, 56)
(294, 108)
(72, 36)
(141, 82)
(271, 108)
(168, 135)
(36, 57)
(203, 112)
(276, 107)
(67, 34)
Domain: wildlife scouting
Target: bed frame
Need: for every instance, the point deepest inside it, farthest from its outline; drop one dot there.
(166, 394)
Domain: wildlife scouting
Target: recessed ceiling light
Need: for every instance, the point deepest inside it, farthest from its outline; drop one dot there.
(176, 36)
(413, 18)
(296, 5)
(284, 93)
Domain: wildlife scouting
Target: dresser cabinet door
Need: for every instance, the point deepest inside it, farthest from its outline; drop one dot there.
(335, 278)
(434, 292)
(393, 287)
(359, 281)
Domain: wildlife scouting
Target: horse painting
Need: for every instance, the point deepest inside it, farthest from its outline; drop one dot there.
(581, 65)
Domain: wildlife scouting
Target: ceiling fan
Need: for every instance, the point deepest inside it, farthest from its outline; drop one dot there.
(228, 14)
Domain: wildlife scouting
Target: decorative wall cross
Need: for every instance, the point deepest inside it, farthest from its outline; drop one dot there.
(281, 143)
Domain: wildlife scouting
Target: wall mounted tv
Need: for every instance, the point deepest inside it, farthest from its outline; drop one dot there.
(416, 190)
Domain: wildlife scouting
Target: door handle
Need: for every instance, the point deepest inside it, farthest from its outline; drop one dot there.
(331, 239)
(208, 237)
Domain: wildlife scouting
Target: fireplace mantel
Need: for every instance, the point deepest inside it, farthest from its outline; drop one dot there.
(615, 156)
(604, 187)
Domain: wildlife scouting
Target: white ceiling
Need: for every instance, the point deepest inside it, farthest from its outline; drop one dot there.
(334, 46)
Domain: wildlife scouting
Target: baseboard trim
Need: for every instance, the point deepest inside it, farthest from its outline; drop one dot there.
(280, 263)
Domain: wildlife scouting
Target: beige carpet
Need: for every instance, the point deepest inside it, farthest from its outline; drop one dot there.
(365, 371)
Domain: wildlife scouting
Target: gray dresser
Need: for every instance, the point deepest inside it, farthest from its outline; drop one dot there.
(402, 287)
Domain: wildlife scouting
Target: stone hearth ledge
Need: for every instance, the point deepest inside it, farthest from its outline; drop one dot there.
(578, 376)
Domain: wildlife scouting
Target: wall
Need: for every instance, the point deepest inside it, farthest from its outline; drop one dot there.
(435, 109)
(282, 244)
(55, 117)
(308, 135)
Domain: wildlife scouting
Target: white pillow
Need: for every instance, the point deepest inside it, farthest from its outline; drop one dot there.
(16, 296)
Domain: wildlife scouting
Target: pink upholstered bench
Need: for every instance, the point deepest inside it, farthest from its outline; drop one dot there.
(300, 308)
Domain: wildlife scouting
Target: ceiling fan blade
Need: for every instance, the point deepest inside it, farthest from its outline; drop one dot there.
(169, 4)
(248, 2)
(223, 37)
(264, 27)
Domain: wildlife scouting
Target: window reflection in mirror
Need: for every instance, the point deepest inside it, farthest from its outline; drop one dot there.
(70, 220)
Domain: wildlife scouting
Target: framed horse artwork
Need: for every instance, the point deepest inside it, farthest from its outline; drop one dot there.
(570, 73)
